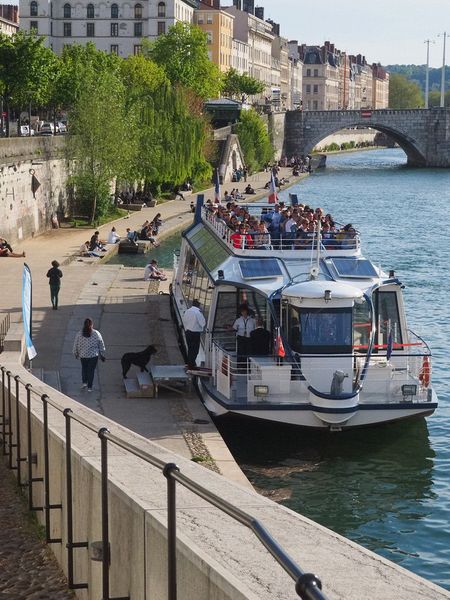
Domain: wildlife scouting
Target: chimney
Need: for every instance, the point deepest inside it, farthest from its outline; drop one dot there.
(259, 12)
(248, 6)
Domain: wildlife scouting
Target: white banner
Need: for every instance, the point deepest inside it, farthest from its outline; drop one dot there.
(27, 310)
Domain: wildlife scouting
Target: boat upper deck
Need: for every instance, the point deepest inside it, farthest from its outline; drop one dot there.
(262, 240)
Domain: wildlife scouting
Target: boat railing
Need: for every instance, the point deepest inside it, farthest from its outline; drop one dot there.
(242, 243)
(231, 373)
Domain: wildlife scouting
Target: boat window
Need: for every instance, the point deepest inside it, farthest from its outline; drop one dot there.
(196, 284)
(320, 330)
(362, 326)
(388, 318)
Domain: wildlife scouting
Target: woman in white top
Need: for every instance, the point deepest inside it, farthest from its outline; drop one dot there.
(113, 238)
(88, 346)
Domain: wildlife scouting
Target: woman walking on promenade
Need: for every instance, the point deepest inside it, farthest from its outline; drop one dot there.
(88, 346)
(54, 278)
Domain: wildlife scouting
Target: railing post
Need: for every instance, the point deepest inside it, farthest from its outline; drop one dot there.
(3, 413)
(9, 432)
(47, 505)
(309, 587)
(105, 513)
(171, 531)
(18, 455)
(69, 506)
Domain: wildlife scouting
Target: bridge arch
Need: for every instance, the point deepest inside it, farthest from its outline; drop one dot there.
(423, 134)
(416, 156)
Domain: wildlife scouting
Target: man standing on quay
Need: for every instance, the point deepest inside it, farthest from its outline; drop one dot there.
(194, 322)
(54, 278)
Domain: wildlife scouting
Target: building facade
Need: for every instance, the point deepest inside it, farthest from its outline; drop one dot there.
(320, 78)
(9, 19)
(113, 26)
(218, 26)
(257, 34)
(380, 87)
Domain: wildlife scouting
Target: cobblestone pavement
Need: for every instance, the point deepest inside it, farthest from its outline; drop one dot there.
(28, 569)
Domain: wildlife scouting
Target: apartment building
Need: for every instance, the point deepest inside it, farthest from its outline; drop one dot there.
(9, 19)
(240, 56)
(296, 72)
(320, 78)
(113, 26)
(380, 87)
(257, 34)
(218, 26)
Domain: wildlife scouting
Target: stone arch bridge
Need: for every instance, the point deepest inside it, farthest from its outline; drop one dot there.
(423, 134)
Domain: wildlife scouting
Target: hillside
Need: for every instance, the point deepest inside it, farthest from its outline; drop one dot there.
(416, 73)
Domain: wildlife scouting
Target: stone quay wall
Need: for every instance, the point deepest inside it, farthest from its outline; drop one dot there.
(217, 557)
(22, 213)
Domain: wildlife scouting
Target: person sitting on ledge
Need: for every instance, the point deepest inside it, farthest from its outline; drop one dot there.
(113, 237)
(249, 190)
(84, 250)
(96, 244)
(6, 250)
(152, 272)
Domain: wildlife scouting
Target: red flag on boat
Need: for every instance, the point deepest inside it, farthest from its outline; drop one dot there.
(280, 347)
(273, 190)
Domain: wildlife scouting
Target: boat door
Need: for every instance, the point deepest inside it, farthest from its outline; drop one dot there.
(318, 319)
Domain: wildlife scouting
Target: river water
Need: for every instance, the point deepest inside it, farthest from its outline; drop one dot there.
(387, 488)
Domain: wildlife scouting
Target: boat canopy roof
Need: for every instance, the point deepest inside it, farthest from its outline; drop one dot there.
(316, 289)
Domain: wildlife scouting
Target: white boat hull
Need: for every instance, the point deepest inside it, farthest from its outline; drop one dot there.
(308, 416)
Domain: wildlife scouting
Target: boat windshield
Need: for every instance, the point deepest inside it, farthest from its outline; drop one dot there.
(320, 330)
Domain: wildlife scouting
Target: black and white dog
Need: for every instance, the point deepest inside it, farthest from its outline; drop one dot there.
(140, 359)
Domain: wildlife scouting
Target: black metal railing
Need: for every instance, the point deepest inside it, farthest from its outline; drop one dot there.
(307, 585)
(5, 322)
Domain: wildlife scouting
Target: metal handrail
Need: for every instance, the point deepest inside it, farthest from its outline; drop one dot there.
(307, 585)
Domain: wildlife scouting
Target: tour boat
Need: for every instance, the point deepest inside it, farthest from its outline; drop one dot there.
(341, 356)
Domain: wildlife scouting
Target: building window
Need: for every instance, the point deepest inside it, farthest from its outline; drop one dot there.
(161, 27)
(114, 49)
(51, 9)
(137, 50)
(33, 9)
(209, 19)
(67, 11)
(67, 30)
(161, 9)
(200, 19)
(316, 72)
(308, 72)
(315, 105)
(90, 30)
(209, 37)
(114, 11)
(138, 30)
(308, 88)
(34, 26)
(138, 11)
(114, 29)
(316, 89)
(90, 11)
(51, 28)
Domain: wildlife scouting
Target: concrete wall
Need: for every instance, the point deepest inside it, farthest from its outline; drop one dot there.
(23, 215)
(218, 559)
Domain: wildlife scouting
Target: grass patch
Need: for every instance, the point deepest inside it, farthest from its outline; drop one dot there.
(115, 213)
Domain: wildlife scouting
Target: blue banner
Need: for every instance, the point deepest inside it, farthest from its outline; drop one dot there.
(27, 310)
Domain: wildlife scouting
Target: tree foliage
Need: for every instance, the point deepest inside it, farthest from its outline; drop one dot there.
(27, 69)
(241, 86)
(434, 98)
(183, 54)
(404, 93)
(254, 140)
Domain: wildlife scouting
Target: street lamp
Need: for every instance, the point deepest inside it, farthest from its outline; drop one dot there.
(444, 35)
(427, 72)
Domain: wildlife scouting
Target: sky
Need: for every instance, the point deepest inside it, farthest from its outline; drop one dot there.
(385, 31)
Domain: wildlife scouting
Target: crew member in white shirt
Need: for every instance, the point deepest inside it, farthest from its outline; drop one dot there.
(194, 323)
(243, 327)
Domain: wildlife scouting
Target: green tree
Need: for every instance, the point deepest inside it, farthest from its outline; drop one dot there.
(404, 93)
(27, 69)
(100, 143)
(237, 85)
(434, 98)
(254, 140)
(183, 54)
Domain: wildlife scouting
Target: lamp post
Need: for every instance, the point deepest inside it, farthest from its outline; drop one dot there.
(427, 72)
(444, 35)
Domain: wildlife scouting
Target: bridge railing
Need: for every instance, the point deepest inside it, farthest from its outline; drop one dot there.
(16, 417)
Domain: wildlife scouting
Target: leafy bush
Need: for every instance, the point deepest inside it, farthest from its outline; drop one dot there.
(254, 139)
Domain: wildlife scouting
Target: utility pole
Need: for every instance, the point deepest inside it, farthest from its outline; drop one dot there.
(445, 35)
(427, 72)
